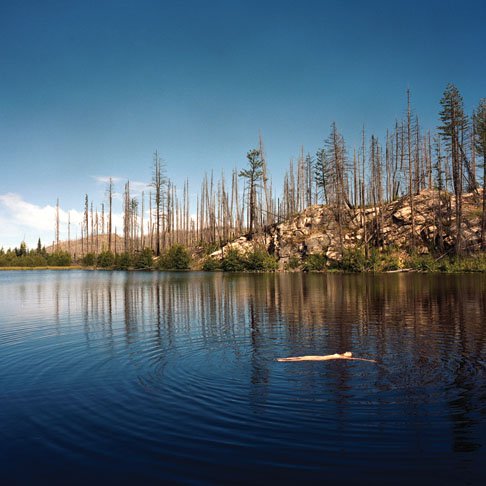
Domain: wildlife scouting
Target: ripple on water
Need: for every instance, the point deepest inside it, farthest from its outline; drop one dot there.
(112, 380)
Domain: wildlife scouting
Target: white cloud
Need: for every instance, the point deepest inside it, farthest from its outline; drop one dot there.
(30, 215)
(22, 220)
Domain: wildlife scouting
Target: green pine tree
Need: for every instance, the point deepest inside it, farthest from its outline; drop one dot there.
(253, 175)
(480, 146)
(453, 128)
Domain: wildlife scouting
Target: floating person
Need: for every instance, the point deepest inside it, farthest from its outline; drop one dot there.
(346, 355)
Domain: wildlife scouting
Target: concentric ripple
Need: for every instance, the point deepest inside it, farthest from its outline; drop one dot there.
(173, 377)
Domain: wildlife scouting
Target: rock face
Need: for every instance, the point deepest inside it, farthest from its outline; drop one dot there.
(316, 229)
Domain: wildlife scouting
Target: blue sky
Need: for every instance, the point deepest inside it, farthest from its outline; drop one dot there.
(90, 89)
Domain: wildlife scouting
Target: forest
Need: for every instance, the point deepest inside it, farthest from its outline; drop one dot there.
(162, 229)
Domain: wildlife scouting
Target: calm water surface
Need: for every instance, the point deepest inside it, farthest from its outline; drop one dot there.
(150, 377)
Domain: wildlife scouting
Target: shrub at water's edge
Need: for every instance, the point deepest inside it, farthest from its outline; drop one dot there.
(257, 260)
(466, 264)
(211, 264)
(314, 263)
(123, 261)
(233, 261)
(89, 260)
(392, 260)
(261, 261)
(143, 260)
(177, 257)
(106, 259)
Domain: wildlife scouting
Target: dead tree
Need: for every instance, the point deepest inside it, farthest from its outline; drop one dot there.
(410, 172)
(57, 225)
(86, 222)
(126, 217)
(109, 193)
(159, 182)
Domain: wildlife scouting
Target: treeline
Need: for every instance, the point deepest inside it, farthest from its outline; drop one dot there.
(176, 257)
(22, 257)
(406, 161)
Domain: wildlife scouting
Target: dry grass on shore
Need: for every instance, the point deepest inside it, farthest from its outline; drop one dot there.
(69, 267)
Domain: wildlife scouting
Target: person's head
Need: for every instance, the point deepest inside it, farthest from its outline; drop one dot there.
(348, 354)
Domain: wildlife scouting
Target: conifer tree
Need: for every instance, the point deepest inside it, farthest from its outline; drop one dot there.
(253, 175)
(322, 174)
(480, 146)
(454, 124)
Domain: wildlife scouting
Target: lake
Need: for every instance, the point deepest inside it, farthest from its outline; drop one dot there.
(150, 377)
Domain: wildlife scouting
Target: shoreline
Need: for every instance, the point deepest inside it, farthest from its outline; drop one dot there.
(332, 271)
(44, 267)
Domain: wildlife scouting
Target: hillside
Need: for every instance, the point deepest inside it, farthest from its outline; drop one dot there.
(316, 231)
(96, 244)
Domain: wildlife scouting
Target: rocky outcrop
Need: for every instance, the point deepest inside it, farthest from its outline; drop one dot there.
(434, 224)
(316, 230)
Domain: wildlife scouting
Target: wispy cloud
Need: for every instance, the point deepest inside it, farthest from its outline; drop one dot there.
(136, 187)
(106, 179)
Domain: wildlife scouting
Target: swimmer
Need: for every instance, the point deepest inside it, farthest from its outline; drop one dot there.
(346, 355)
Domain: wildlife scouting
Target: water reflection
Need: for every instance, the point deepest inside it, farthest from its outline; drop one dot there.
(192, 356)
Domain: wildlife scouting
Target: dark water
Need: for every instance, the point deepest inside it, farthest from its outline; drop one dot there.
(146, 377)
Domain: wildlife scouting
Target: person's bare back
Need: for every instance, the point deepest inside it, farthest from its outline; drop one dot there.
(346, 355)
